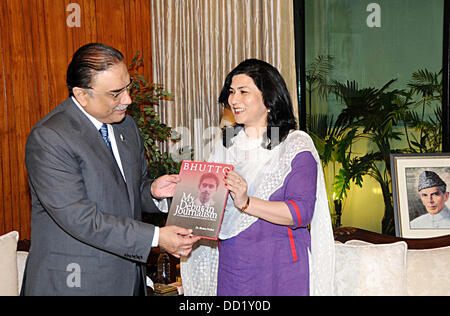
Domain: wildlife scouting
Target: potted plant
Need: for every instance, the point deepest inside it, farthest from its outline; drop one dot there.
(146, 97)
(376, 115)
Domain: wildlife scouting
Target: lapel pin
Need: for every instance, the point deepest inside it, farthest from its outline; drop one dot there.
(122, 138)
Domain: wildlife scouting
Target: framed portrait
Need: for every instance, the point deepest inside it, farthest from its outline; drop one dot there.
(420, 194)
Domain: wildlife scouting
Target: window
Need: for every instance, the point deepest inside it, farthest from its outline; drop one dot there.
(374, 71)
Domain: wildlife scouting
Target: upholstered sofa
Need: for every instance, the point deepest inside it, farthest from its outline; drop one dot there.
(367, 263)
(13, 256)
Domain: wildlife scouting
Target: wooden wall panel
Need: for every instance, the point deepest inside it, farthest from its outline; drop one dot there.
(36, 47)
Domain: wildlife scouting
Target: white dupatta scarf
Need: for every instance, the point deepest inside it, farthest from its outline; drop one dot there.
(265, 171)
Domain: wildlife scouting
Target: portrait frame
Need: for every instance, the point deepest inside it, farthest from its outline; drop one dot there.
(405, 171)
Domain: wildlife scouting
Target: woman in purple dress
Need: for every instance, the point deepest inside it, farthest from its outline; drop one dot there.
(276, 191)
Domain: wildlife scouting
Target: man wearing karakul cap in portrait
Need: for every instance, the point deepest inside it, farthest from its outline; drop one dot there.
(434, 195)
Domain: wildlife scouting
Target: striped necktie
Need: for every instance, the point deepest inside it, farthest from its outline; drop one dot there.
(104, 132)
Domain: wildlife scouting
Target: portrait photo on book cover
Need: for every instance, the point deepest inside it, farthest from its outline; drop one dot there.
(208, 184)
(421, 194)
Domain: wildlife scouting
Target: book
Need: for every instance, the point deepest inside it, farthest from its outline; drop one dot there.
(200, 198)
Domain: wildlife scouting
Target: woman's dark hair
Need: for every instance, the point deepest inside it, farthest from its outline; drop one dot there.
(276, 98)
(89, 60)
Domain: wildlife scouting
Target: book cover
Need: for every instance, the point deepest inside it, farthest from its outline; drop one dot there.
(200, 197)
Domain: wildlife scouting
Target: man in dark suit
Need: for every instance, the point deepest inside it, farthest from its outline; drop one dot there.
(88, 182)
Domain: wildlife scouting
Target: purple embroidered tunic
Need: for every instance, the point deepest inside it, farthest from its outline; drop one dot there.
(268, 259)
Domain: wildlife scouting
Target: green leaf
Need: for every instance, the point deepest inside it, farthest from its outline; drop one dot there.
(145, 97)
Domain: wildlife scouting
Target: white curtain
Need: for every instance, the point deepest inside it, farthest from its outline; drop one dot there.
(196, 43)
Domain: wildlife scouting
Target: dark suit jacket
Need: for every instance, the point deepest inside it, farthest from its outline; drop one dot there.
(86, 233)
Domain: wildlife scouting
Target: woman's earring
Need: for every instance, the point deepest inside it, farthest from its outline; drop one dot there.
(268, 110)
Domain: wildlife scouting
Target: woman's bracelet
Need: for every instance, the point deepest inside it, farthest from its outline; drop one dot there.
(245, 207)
